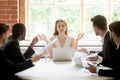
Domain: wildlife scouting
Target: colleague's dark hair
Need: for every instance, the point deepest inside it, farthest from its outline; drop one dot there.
(3, 28)
(100, 22)
(115, 27)
(18, 29)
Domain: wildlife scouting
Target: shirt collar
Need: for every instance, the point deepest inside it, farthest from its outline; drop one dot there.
(104, 37)
(118, 45)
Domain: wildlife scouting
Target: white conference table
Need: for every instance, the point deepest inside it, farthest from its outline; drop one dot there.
(49, 70)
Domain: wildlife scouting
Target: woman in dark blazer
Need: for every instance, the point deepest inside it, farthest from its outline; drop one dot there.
(7, 67)
(12, 47)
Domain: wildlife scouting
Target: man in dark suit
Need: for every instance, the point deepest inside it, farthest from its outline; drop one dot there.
(108, 47)
(114, 28)
(8, 68)
(12, 47)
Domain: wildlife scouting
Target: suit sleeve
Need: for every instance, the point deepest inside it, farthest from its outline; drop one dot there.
(24, 65)
(10, 67)
(13, 52)
(29, 52)
(109, 73)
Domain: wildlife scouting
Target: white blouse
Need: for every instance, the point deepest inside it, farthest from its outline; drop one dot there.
(67, 42)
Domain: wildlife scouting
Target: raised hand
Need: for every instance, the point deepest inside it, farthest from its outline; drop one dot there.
(43, 37)
(80, 36)
(34, 41)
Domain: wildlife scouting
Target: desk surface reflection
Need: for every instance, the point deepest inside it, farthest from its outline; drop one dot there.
(67, 70)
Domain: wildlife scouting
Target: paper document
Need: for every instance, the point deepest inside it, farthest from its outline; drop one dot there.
(86, 63)
(47, 46)
(92, 55)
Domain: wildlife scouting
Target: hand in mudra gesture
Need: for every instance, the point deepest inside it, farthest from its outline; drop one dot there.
(80, 36)
(42, 37)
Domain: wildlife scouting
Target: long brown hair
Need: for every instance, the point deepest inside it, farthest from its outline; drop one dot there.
(55, 29)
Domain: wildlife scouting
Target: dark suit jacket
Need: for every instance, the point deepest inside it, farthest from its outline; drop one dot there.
(13, 52)
(108, 48)
(8, 69)
(115, 63)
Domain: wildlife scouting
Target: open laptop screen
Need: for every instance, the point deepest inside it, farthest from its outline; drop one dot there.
(62, 54)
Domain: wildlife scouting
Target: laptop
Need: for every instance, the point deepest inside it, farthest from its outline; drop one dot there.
(62, 54)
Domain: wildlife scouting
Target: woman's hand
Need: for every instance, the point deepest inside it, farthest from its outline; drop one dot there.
(80, 36)
(43, 37)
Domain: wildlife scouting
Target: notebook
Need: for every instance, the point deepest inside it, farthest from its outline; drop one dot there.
(62, 54)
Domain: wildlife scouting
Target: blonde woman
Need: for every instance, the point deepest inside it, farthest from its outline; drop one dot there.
(63, 39)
